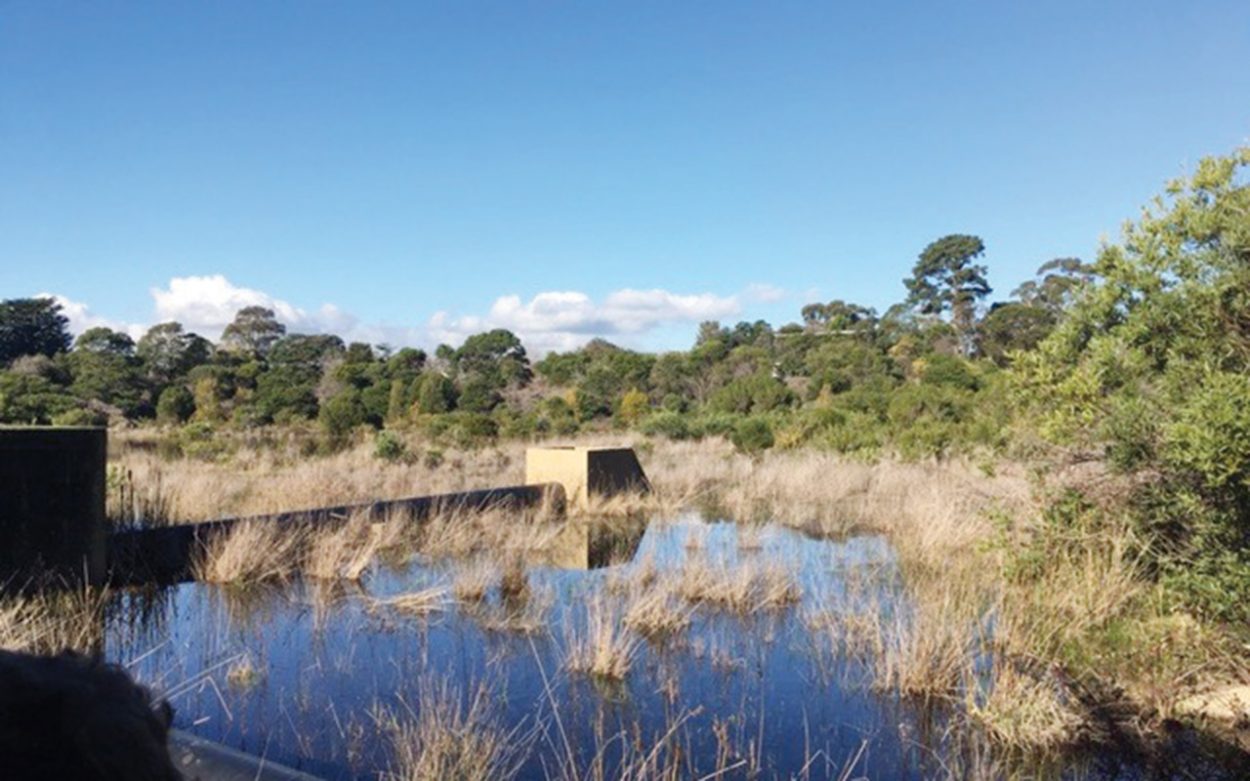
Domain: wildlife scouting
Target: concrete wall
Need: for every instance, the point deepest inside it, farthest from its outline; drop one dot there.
(167, 553)
(52, 523)
(586, 472)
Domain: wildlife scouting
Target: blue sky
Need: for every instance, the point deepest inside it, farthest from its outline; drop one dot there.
(409, 172)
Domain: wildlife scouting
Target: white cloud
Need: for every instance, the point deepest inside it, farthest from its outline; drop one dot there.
(563, 320)
(551, 320)
(81, 317)
(206, 305)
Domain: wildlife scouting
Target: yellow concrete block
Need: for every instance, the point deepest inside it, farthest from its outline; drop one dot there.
(586, 472)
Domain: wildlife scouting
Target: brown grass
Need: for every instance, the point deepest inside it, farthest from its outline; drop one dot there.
(450, 738)
(605, 648)
(52, 622)
(423, 602)
(343, 551)
(252, 552)
(474, 582)
(746, 587)
(654, 612)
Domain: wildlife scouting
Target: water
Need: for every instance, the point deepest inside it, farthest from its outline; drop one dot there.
(757, 690)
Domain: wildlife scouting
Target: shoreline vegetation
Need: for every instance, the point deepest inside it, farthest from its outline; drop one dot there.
(1064, 476)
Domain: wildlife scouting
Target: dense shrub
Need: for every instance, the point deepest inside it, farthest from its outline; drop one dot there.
(752, 435)
(176, 405)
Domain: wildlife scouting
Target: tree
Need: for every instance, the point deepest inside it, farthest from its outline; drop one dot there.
(254, 330)
(168, 352)
(29, 398)
(945, 279)
(105, 341)
(839, 316)
(32, 326)
(1056, 285)
(1013, 326)
(435, 394)
(497, 358)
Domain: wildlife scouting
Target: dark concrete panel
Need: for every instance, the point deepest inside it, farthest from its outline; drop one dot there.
(52, 522)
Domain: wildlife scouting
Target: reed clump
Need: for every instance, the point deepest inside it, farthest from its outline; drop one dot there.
(342, 552)
(252, 552)
(51, 622)
(450, 736)
(604, 647)
(474, 582)
(746, 587)
(1025, 709)
(655, 612)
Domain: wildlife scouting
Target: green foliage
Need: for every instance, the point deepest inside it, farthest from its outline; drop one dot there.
(759, 392)
(752, 435)
(342, 413)
(1148, 367)
(389, 446)
(435, 394)
(31, 326)
(673, 425)
(175, 406)
(28, 398)
(254, 331)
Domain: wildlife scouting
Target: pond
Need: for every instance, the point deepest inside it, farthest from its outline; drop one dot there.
(744, 683)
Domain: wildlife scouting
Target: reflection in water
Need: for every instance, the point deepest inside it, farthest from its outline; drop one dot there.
(731, 690)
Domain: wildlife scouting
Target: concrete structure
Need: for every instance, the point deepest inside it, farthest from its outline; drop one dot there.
(52, 521)
(587, 472)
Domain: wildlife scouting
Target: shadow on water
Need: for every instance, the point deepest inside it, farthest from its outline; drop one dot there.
(300, 673)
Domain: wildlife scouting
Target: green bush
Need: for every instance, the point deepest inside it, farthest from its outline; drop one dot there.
(176, 405)
(342, 413)
(669, 424)
(752, 435)
(80, 416)
(389, 446)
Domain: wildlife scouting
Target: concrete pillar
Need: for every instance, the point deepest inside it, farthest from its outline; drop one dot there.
(52, 520)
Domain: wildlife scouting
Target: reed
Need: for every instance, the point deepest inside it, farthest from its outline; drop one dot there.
(252, 552)
(451, 737)
(343, 551)
(604, 647)
(52, 622)
(655, 612)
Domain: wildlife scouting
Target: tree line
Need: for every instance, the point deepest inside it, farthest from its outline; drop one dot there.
(259, 374)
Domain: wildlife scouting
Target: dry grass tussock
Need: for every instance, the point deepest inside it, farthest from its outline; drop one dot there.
(604, 647)
(745, 587)
(343, 551)
(52, 622)
(655, 612)
(451, 737)
(252, 552)
(1025, 710)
